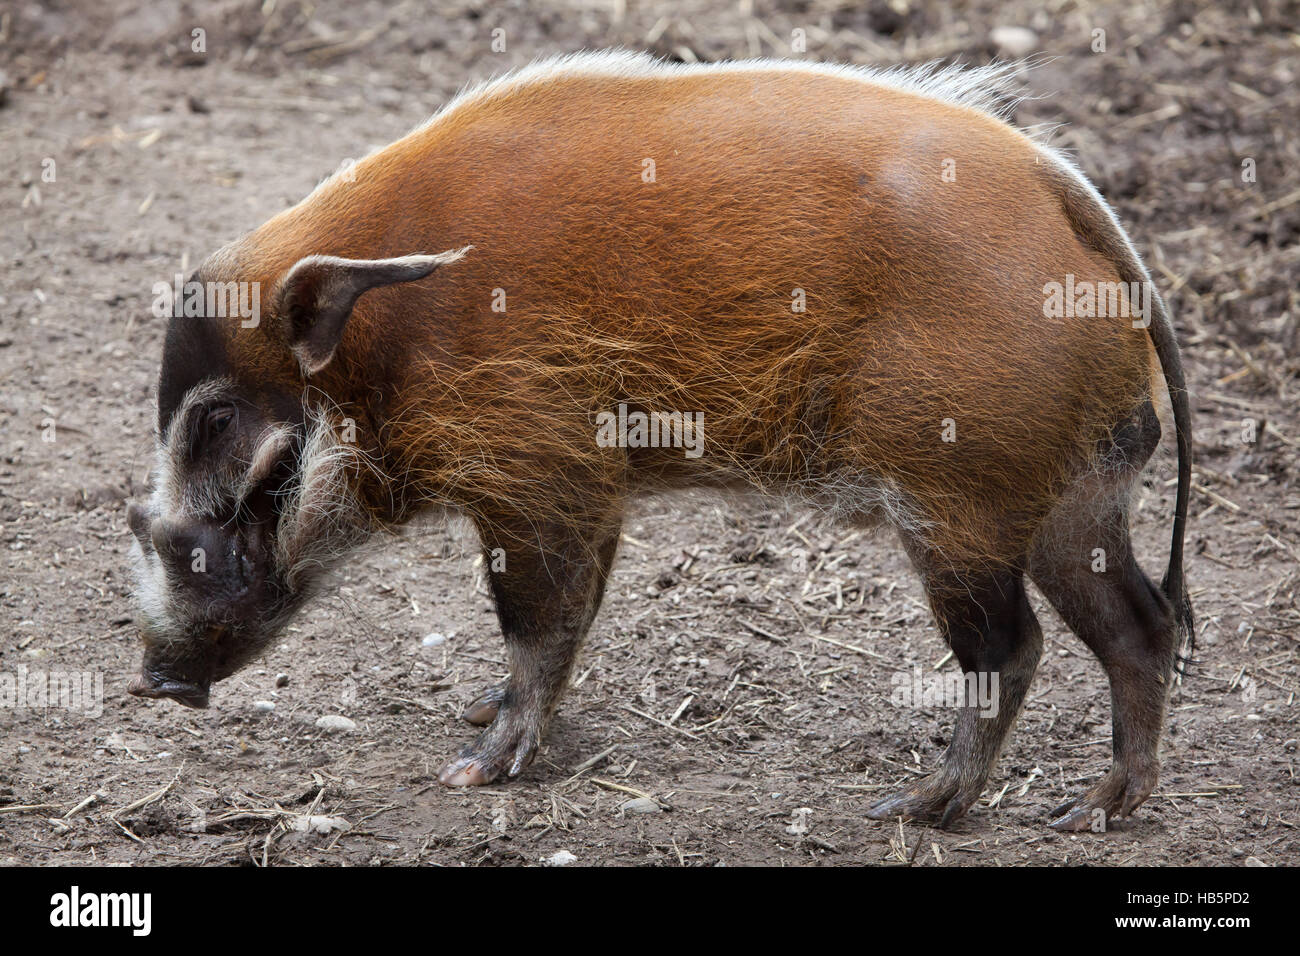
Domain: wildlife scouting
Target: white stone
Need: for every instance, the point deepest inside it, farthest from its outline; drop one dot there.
(318, 824)
(336, 724)
(640, 805)
(1014, 42)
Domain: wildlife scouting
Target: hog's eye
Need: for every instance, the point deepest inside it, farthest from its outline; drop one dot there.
(215, 422)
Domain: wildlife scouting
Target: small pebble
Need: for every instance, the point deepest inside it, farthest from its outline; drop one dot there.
(336, 724)
(281, 680)
(561, 858)
(1014, 42)
(319, 824)
(264, 706)
(640, 805)
(433, 640)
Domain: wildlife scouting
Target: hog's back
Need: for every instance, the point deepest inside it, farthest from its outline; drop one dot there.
(837, 274)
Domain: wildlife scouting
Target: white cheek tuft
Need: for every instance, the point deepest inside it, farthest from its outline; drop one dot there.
(151, 591)
(322, 519)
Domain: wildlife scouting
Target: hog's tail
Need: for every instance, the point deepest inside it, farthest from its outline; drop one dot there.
(1095, 224)
(1163, 339)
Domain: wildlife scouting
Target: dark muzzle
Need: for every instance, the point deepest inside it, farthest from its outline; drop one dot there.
(158, 686)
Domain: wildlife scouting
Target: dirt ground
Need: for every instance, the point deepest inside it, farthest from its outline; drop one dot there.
(749, 699)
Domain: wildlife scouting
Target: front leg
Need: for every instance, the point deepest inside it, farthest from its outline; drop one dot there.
(547, 583)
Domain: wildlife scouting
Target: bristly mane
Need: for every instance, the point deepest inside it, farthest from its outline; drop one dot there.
(989, 89)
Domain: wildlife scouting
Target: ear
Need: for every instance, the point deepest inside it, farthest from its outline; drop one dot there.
(316, 296)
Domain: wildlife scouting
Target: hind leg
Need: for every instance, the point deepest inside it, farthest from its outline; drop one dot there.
(1083, 563)
(992, 630)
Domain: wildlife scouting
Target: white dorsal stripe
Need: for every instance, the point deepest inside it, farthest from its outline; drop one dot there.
(989, 89)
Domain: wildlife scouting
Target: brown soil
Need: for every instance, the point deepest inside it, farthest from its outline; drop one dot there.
(776, 682)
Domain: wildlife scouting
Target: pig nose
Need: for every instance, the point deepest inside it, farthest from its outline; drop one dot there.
(156, 686)
(172, 537)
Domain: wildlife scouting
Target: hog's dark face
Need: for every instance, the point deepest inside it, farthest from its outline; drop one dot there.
(255, 484)
(248, 507)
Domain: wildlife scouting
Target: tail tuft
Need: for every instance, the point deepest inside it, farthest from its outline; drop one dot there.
(1184, 655)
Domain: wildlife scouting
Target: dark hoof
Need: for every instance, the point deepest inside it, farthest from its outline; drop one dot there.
(1114, 797)
(931, 801)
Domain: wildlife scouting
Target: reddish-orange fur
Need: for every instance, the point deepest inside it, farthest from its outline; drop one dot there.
(923, 381)
(924, 300)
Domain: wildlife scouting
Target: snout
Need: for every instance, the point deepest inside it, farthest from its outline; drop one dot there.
(151, 684)
(183, 669)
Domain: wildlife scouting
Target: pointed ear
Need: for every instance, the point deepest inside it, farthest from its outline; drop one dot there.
(315, 298)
